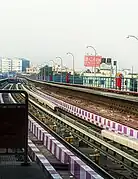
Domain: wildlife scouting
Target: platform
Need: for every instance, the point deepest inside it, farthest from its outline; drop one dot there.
(96, 92)
(90, 91)
(14, 170)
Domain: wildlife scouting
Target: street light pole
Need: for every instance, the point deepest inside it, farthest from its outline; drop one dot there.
(132, 36)
(94, 60)
(61, 66)
(69, 53)
(45, 71)
(52, 61)
(94, 57)
(52, 68)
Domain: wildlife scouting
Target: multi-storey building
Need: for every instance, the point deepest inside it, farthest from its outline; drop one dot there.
(14, 65)
(25, 64)
(6, 65)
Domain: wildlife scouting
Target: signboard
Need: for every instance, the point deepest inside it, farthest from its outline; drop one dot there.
(13, 126)
(90, 61)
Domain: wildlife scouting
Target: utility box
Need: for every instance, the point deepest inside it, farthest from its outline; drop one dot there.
(14, 123)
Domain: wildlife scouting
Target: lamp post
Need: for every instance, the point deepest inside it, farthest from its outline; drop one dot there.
(132, 36)
(52, 61)
(69, 53)
(94, 60)
(39, 73)
(45, 64)
(42, 72)
(61, 66)
(52, 68)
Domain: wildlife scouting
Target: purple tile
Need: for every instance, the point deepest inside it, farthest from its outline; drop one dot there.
(119, 128)
(76, 170)
(114, 125)
(85, 113)
(125, 130)
(131, 132)
(108, 123)
(100, 119)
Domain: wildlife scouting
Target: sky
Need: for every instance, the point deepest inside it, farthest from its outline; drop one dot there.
(40, 30)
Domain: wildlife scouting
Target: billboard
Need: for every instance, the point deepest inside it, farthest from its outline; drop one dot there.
(90, 61)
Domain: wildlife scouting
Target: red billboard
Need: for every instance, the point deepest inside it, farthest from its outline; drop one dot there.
(90, 61)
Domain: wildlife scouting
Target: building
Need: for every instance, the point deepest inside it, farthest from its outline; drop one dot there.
(6, 65)
(106, 69)
(32, 70)
(25, 64)
(16, 65)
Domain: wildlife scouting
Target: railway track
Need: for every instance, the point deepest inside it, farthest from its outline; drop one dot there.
(20, 98)
(123, 111)
(50, 129)
(61, 112)
(35, 156)
(5, 96)
(95, 130)
(114, 169)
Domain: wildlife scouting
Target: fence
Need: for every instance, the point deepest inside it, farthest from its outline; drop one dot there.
(127, 84)
(63, 79)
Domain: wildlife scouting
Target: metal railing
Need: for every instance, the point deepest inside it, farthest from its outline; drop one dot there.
(125, 84)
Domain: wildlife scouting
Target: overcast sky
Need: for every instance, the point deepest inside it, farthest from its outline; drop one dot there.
(40, 30)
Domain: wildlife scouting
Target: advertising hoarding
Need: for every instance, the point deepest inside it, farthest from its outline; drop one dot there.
(90, 61)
